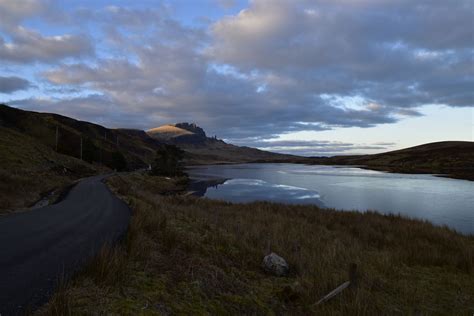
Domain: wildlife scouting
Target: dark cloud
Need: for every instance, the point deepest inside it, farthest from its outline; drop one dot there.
(12, 84)
(395, 53)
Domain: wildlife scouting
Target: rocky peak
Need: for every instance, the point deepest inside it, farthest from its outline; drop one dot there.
(192, 127)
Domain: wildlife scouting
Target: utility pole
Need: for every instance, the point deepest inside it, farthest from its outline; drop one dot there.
(105, 135)
(117, 141)
(81, 147)
(57, 137)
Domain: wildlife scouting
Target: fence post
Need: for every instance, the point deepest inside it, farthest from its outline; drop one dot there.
(57, 137)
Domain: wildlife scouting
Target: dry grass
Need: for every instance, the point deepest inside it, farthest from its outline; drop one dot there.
(167, 132)
(192, 256)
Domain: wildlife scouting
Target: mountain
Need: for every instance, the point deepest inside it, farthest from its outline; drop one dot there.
(201, 149)
(181, 133)
(452, 158)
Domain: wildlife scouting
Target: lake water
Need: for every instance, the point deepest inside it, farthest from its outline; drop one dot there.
(442, 201)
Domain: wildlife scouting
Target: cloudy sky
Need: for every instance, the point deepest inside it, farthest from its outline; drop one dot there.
(312, 77)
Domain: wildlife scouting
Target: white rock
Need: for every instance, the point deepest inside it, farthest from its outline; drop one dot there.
(275, 264)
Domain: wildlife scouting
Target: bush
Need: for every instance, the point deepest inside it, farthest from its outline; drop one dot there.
(168, 162)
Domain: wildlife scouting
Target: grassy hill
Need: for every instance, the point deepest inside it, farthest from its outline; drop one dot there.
(29, 169)
(452, 158)
(31, 165)
(120, 149)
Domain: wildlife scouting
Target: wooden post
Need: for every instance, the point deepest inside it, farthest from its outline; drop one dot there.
(353, 275)
(353, 282)
(57, 137)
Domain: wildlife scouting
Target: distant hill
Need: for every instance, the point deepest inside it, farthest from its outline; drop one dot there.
(201, 149)
(181, 133)
(452, 158)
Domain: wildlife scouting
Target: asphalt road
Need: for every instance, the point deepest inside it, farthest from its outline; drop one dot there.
(39, 246)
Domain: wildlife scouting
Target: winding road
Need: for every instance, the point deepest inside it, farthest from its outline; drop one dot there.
(39, 246)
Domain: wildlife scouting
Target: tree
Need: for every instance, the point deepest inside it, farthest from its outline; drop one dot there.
(168, 162)
(118, 161)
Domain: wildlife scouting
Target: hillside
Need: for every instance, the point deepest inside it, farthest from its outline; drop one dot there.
(29, 170)
(201, 149)
(31, 167)
(452, 158)
(119, 149)
(168, 132)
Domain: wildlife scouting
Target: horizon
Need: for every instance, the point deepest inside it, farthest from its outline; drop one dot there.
(308, 78)
(323, 154)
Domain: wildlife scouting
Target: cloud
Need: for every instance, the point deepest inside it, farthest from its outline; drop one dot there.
(390, 52)
(29, 46)
(94, 107)
(12, 12)
(12, 84)
(276, 67)
(174, 79)
(313, 147)
(23, 45)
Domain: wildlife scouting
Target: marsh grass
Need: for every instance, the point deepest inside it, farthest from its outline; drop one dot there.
(190, 256)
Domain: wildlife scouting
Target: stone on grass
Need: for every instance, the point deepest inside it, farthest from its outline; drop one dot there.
(275, 265)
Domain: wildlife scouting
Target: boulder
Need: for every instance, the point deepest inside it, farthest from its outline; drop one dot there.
(275, 265)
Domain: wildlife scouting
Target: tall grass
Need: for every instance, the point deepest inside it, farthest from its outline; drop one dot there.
(194, 256)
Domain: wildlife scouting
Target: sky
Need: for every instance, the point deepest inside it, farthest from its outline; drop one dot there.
(308, 77)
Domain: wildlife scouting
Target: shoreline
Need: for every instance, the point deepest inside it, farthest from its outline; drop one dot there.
(453, 174)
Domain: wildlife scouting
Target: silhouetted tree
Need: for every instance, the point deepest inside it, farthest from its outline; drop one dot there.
(117, 161)
(168, 162)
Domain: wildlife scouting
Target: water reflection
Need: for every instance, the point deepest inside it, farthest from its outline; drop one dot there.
(199, 187)
(442, 201)
(250, 190)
